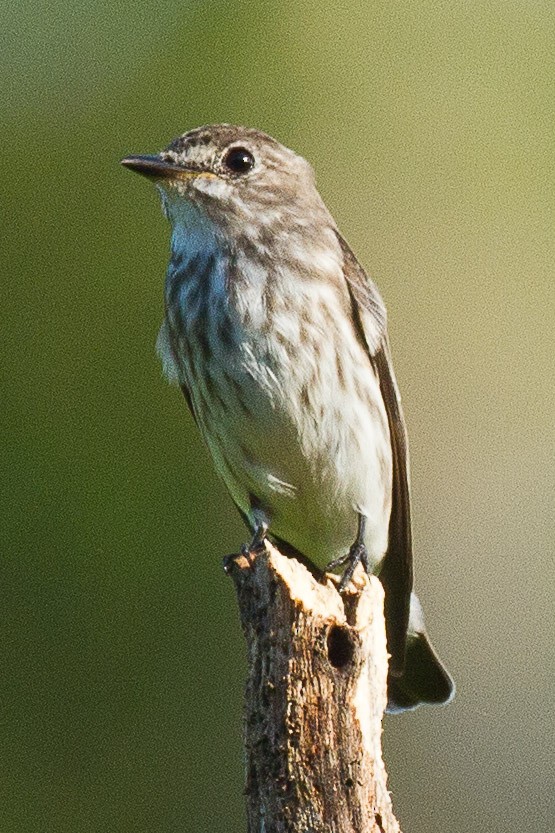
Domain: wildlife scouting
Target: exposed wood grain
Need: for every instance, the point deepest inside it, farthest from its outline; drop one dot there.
(315, 697)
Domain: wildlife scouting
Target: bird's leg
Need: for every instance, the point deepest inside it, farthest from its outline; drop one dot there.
(257, 543)
(357, 554)
(249, 550)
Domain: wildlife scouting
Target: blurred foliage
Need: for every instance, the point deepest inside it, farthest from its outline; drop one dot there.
(430, 126)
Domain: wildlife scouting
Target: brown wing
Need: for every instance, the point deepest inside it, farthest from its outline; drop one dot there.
(396, 570)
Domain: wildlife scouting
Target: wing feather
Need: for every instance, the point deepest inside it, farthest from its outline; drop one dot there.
(396, 573)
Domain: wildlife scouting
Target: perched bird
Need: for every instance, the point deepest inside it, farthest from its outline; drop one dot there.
(278, 340)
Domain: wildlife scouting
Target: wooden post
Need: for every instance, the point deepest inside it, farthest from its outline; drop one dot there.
(314, 702)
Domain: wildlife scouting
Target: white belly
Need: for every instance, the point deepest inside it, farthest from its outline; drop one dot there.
(288, 404)
(312, 449)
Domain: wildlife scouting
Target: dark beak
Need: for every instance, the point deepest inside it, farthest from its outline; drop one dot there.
(153, 166)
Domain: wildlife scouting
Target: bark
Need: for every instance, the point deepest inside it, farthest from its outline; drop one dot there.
(315, 697)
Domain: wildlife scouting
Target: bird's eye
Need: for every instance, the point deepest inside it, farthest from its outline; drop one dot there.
(239, 160)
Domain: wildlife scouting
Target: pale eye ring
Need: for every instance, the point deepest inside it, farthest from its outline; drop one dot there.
(238, 160)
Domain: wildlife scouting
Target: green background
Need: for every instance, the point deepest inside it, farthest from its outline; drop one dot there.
(430, 126)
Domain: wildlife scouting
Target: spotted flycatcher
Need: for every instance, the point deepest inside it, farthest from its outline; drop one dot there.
(278, 340)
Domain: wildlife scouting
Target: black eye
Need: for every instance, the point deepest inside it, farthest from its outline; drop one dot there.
(239, 160)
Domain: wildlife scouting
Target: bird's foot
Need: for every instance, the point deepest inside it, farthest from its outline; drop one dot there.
(248, 551)
(358, 554)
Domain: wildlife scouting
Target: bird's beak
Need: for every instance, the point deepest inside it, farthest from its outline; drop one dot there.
(157, 168)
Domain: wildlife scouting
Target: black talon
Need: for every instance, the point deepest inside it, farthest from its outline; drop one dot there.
(256, 546)
(357, 554)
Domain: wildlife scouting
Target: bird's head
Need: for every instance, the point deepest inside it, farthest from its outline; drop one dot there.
(235, 175)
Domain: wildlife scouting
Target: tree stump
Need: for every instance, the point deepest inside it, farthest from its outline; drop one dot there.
(315, 698)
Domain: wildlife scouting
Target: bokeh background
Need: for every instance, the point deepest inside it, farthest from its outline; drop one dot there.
(431, 128)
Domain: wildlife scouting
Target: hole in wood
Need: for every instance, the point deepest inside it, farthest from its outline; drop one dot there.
(340, 646)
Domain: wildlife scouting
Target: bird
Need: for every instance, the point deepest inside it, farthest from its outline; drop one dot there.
(278, 340)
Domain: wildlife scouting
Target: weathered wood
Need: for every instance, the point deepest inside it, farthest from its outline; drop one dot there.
(315, 697)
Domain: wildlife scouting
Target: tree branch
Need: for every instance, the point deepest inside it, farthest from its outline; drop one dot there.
(315, 697)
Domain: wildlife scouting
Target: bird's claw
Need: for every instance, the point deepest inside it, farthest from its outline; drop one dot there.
(358, 554)
(248, 551)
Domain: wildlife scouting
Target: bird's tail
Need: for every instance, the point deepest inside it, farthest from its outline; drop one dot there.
(424, 679)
